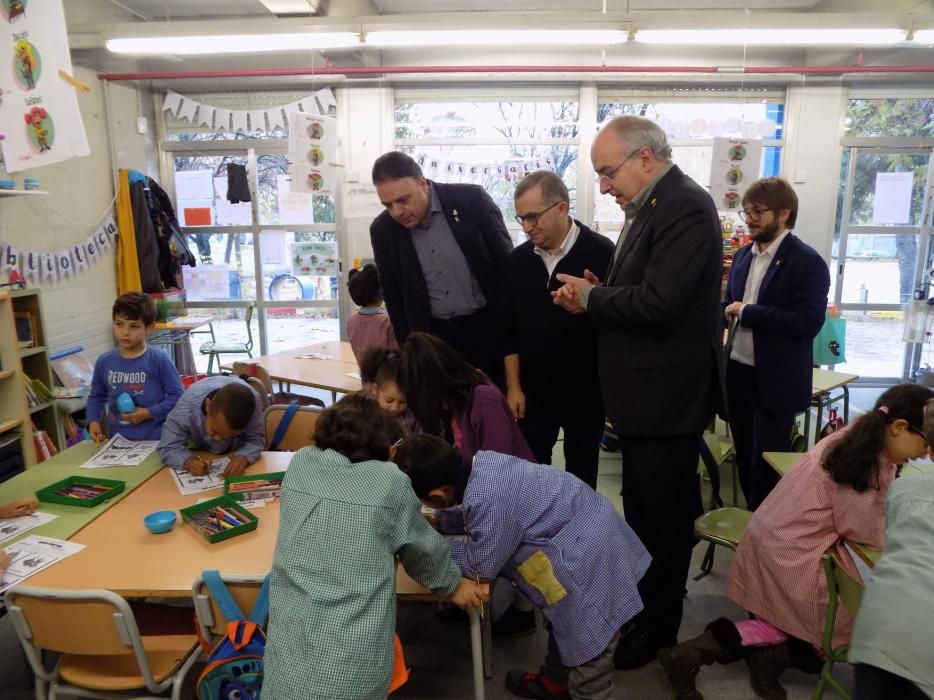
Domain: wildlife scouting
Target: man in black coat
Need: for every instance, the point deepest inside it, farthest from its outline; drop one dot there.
(551, 375)
(441, 252)
(657, 315)
(777, 292)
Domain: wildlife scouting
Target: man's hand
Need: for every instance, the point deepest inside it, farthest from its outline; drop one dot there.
(733, 309)
(516, 400)
(236, 466)
(137, 416)
(568, 296)
(592, 278)
(468, 594)
(198, 465)
(94, 430)
(14, 509)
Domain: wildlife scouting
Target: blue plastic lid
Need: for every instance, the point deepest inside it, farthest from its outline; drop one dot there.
(8, 184)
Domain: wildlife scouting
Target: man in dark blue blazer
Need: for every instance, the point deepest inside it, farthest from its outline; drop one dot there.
(777, 293)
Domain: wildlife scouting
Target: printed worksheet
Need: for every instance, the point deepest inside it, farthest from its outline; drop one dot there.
(12, 527)
(354, 375)
(31, 555)
(213, 479)
(120, 452)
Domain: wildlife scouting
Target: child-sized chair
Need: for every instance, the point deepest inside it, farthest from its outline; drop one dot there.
(212, 624)
(290, 428)
(723, 526)
(256, 375)
(846, 589)
(212, 349)
(103, 653)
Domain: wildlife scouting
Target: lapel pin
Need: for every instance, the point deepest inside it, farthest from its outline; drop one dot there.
(455, 216)
(653, 201)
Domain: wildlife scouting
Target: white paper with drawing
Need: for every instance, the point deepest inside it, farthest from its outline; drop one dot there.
(33, 554)
(212, 479)
(120, 452)
(11, 527)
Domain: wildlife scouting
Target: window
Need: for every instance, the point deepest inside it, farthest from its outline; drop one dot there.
(890, 116)
(491, 140)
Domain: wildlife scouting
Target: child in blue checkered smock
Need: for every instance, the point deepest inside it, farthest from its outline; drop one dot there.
(562, 544)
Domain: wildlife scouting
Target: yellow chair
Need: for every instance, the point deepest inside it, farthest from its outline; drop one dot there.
(243, 588)
(213, 349)
(846, 589)
(103, 653)
(721, 526)
(300, 431)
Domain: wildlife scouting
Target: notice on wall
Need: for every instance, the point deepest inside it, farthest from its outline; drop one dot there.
(734, 166)
(892, 201)
(294, 207)
(39, 115)
(313, 153)
(314, 259)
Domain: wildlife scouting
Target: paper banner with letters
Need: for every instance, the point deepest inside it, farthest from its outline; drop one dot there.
(312, 153)
(39, 115)
(245, 120)
(54, 265)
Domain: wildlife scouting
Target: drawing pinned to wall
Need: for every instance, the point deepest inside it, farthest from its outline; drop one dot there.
(39, 129)
(314, 259)
(313, 153)
(27, 64)
(735, 163)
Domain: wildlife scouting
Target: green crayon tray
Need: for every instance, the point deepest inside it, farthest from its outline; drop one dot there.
(48, 494)
(191, 513)
(248, 495)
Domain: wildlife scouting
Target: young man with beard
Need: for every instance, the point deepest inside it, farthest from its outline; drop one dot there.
(777, 293)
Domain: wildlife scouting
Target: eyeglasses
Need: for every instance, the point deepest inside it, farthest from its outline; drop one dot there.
(747, 214)
(608, 176)
(532, 219)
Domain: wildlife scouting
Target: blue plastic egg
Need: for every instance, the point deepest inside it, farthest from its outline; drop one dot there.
(125, 403)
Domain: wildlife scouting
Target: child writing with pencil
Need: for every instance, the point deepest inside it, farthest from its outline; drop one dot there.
(562, 544)
(346, 515)
(219, 415)
(145, 374)
(14, 509)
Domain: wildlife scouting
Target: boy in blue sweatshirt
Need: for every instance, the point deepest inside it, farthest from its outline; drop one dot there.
(146, 374)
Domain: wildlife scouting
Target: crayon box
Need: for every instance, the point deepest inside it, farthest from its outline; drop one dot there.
(254, 487)
(206, 519)
(82, 491)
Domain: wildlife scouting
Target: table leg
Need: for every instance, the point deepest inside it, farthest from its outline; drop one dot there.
(846, 404)
(476, 651)
(820, 415)
(807, 424)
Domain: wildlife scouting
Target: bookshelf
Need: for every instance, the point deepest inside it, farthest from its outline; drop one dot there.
(14, 412)
(34, 360)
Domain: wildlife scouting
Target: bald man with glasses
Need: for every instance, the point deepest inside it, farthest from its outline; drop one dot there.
(551, 371)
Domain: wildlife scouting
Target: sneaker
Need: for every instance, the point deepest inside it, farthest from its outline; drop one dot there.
(535, 685)
(514, 623)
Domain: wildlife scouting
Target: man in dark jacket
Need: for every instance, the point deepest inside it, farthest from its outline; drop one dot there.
(777, 293)
(657, 314)
(441, 251)
(551, 376)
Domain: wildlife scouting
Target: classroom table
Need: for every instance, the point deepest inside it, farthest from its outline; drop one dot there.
(175, 335)
(332, 374)
(122, 556)
(66, 463)
(823, 384)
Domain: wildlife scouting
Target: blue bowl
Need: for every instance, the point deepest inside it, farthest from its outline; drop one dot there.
(160, 521)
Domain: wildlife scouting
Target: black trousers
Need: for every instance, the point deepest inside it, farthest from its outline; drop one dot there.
(471, 337)
(755, 429)
(583, 428)
(661, 499)
(873, 683)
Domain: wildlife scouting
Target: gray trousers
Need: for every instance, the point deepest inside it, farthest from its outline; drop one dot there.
(590, 681)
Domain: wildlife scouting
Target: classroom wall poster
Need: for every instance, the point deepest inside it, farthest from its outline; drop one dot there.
(734, 166)
(314, 259)
(313, 153)
(39, 115)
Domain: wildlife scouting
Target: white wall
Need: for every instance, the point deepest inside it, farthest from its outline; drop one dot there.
(77, 311)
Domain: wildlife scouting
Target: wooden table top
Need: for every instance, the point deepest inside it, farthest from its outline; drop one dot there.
(183, 323)
(122, 556)
(329, 374)
(824, 380)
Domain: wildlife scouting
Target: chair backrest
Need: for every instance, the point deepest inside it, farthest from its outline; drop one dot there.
(80, 622)
(849, 589)
(256, 376)
(243, 588)
(842, 588)
(300, 431)
(249, 327)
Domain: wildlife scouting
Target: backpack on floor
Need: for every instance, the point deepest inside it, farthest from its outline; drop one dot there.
(834, 423)
(234, 669)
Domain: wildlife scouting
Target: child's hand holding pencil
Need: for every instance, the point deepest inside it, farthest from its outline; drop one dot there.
(198, 465)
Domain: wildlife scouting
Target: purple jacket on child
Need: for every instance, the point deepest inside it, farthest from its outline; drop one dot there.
(488, 424)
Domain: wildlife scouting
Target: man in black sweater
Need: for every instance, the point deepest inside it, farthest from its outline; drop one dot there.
(551, 371)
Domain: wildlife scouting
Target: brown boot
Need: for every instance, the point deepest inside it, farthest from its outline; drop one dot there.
(766, 664)
(682, 662)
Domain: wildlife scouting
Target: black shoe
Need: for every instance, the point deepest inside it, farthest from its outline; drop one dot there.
(514, 623)
(636, 649)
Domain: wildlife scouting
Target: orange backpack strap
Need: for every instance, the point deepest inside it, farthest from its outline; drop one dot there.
(400, 674)
(246, 627)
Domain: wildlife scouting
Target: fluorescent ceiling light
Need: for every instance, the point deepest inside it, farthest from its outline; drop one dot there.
(772, 37)
(923, 36)
(478, 37)
(233, 43)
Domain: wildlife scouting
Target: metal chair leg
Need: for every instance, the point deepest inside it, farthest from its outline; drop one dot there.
(707, 562)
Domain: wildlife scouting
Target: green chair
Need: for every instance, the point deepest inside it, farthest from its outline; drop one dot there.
(213, 349)
(721, 526)
(846, 589)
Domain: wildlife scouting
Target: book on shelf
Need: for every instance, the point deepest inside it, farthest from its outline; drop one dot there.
(45, 448)
(25, 329)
